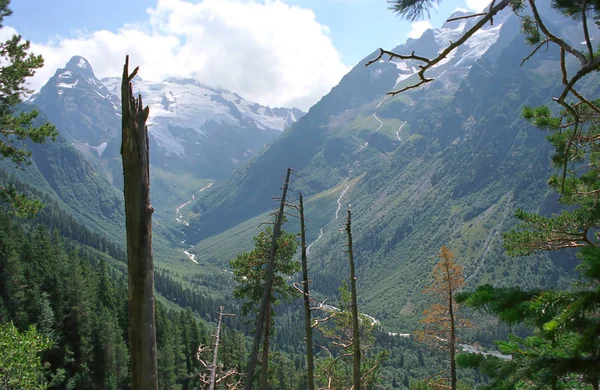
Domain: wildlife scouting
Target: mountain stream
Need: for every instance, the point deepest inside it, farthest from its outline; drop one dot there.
(179, 218)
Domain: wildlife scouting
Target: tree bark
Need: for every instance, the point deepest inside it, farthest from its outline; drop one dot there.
(264, 372)
(266, 298)
(307, 314)
(353, 307)
(138, 217)
(213, 368)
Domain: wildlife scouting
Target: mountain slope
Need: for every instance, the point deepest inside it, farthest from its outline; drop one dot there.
(62, 174)
(207, 131)
(341, 129)
(74, 189)
(198, 134)
(443, 165)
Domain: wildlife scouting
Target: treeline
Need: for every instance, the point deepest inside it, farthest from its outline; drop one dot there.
(76, 300)
(55, 218)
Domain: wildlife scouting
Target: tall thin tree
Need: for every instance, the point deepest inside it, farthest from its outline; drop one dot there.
(138, 217)
(307, 312)
(440, 320)
(353, 305)
(213, 368)
(266, 298)
(264, 363)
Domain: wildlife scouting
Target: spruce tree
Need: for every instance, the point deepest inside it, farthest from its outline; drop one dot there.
(16, 124)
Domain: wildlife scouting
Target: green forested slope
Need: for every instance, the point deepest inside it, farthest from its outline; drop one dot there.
(452, 175)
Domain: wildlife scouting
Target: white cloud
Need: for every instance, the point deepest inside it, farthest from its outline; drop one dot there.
(418, 28)
(268, 52)
(477, 5)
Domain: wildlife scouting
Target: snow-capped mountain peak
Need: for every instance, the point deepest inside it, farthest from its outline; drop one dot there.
(454, 67)
(71, 96)
(183, 103)
(193, 127)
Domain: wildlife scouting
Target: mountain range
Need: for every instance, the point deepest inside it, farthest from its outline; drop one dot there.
(446, 164)
(197, 133)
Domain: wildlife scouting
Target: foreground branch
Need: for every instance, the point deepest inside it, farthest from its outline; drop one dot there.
(429, 63)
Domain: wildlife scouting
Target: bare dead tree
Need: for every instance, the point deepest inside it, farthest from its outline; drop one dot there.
(213, 368)
(138, 217)
(266, 298)
(231, 379)
(353, 306)
(306, 296)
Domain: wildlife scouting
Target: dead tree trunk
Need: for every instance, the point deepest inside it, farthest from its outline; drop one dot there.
(264, 371)
(213, 368)
(353, 307)
(307, 313)
(266, 298)
(138, 217)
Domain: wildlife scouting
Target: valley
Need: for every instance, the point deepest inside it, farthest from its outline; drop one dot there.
(179, 215)
(470, 175)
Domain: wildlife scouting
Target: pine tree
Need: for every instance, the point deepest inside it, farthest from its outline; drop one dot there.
(20, 363)
(249, 272)
(264, 313)
(565, 347)
(17, 125)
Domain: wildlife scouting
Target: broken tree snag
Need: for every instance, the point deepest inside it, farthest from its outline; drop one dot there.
(266, 298)
(354, 307)
(213, 368)
(138, 218)
(307, 315)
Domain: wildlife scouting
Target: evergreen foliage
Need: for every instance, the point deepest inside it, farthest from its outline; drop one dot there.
(16, 125)
(249, 270)
(250, 273)
(20, 363)
(564, 350)
(77, 302)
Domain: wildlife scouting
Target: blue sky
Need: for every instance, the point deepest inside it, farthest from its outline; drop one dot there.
(357, 27)
(341, 31)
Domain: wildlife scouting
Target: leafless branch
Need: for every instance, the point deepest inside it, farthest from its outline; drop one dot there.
(465, 17)
(565, 46)
(586, 32)
(544, 42)
(291, 214)
(9, 132)
(429, 63)
(266, 223)
(299, 289)
(318, 321)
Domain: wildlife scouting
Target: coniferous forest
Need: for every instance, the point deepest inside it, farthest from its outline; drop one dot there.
(432, 222)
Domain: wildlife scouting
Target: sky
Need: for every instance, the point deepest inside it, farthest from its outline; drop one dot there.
(275, 52)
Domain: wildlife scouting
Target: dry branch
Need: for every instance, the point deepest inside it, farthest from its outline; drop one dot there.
(429, 63)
